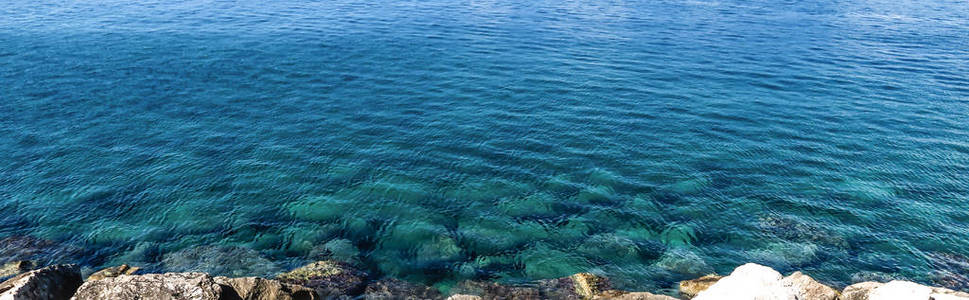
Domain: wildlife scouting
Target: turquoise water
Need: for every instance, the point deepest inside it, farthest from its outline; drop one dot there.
(438, 141)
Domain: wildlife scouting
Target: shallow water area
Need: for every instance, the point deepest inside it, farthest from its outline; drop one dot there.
(437, 141)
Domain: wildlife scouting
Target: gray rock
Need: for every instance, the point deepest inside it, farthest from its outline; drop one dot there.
(113, 272)
(805, 287)
(255, 288)
(167, 286)
(387, 289)
(328, 278)
(56, 282)
(490, 291)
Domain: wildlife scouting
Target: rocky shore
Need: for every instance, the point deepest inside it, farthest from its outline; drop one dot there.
(338, 280)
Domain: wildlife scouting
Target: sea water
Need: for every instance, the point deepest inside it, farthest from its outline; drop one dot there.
(438, 141)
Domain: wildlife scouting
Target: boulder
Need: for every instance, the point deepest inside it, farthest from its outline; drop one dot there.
(255, 288)
(690, 288)
(167, 286)
(859, 291)
(623, 295)
(490, 290)
(898, 289)
(15, 267)
(398, 289)
(328, 278)
(749, 281)
(577, 286)
(56, 282)
(805, 287)
(113, 272)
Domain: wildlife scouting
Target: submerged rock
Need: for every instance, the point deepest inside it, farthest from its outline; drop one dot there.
(15, 267)
(690, 288)
(388, 289)
(57, 282)
(952, 270)
(788, 228)
(195, 286)
(23, 247)
(255, 288)
(683, 261)
(220, 260)
(785, 254)
(327, 278)
(113, 272)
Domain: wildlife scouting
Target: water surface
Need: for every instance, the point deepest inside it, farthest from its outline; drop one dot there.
(438, 141)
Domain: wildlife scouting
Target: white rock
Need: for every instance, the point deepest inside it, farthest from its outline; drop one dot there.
(900, 290)
(947, 297)
(805, 287)
(749, 281)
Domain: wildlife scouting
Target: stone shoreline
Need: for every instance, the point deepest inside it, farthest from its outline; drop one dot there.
(338, 280)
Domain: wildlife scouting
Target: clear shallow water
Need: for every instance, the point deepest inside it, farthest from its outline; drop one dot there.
(437, 141)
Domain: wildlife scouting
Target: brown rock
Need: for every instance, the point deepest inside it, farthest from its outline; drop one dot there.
(328, 278)
(490, 290)
(623, 295)
(56, 282)
(578, 286)
(15, 267)
(387, 289)
(588, 285)
(690, 288)
(168, 286)
(859, 291)
(255, 288)
(113, 272)
(805, 287)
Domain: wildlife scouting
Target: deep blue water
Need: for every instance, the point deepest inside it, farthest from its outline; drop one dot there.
(437, 141)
